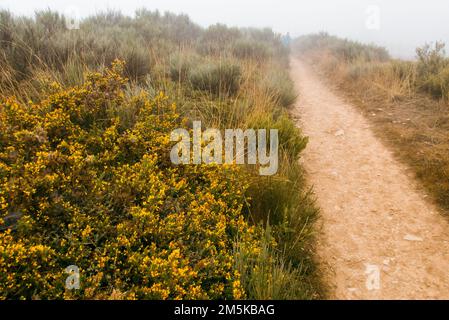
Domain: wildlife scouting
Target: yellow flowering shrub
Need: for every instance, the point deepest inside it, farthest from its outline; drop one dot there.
(86, 180)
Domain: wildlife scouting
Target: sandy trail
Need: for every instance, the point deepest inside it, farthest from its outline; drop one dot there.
(374, 217)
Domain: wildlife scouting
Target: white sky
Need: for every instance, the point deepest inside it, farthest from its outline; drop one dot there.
(402, 26)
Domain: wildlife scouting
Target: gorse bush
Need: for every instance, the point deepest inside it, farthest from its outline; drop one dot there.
(79, 186)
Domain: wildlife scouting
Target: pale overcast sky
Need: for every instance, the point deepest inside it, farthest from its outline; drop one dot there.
(400, 25)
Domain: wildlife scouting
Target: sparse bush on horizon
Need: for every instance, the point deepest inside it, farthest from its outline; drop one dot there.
(93, 192)
(344, 49)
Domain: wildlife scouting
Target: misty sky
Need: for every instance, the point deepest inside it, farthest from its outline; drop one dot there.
(400, 25)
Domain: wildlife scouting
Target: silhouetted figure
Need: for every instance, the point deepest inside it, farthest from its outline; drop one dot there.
(286, 39)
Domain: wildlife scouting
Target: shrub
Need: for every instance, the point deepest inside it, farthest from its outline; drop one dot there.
(79, 187)
(433, 70)
(137, 61)
(280, 87)
(250, 49)
(84, 172)
(291, 140)
(283, 267)
(181, 64)
(44, 40)
(216, 39)
(269, 274)
(218, 78)
(6, 29)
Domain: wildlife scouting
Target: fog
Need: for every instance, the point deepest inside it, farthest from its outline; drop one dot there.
(399, 25)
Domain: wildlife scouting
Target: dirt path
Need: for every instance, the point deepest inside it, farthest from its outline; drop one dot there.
(374, 218)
